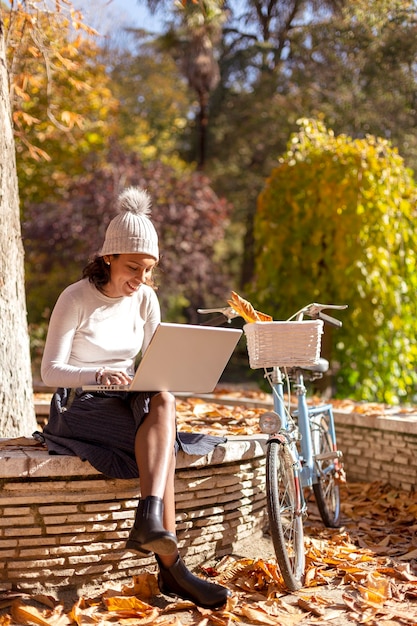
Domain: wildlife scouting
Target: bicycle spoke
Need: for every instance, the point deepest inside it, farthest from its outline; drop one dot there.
(326, 488)
(285, 514)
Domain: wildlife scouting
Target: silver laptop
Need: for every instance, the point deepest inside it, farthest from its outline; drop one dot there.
(181, 358)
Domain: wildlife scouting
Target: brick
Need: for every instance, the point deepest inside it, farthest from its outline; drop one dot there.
(17, 511)
(57, 509)
(6, 544)
(38, 574)
(92, 570)
(78, 518)
(13, 532)
(103, 506)
(38, 564)
(90, 558)
(17, 521)
(403, 459)
(7, 554)
(386, 456)
(43, 540)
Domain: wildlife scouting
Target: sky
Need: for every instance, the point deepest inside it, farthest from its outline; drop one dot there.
(104, 14)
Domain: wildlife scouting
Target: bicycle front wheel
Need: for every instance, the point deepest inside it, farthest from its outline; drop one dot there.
(284, 499)
(325, 488)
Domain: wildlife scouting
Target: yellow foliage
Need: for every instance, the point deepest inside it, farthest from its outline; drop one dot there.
(335, 223)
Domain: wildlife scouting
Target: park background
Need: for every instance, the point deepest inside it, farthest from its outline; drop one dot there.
(277, 140)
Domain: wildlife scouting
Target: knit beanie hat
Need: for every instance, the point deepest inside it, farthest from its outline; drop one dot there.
(131, 231)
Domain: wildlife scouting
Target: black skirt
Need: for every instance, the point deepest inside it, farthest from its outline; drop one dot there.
(101, 428)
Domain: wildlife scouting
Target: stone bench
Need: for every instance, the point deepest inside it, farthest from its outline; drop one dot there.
(63, 524)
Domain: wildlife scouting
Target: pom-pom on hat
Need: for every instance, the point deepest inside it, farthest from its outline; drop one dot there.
(131, 231)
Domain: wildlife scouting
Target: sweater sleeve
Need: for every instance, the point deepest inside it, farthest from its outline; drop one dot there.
(55, 368)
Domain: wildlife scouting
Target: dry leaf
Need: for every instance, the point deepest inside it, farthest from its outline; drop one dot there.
(376, 589)
(172, 620)
(311, 607)
(256, 616)
(81, 613)
(246, 310)
(409, 556)
(144, 585)
(24, 614)
(126, 603)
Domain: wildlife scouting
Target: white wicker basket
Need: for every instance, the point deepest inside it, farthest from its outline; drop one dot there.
(283, 344)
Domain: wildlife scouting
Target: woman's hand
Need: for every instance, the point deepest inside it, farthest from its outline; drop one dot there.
(106, 376)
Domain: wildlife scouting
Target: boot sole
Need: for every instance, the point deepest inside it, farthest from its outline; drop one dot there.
(161, 545)
(134, 545)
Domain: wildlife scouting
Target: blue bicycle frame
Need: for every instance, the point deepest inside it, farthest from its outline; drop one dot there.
(303, 413)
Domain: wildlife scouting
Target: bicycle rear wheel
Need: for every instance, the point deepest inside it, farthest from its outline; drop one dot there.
(284, 499)
(326, 488)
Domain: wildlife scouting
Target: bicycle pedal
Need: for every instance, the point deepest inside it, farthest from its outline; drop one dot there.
(328, 456)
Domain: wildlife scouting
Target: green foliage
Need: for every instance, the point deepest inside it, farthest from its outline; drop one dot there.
(335, 223)
(154, 101)
(356, 71)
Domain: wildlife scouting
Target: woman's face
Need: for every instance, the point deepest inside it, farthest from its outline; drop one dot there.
(127, 273)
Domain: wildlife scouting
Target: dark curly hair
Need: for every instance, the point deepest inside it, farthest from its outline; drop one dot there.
(98, 272)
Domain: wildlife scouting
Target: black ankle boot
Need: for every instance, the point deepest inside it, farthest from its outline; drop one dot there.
(148, 533)
(178, 581)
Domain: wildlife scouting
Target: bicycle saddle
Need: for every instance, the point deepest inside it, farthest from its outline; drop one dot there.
(321, 367)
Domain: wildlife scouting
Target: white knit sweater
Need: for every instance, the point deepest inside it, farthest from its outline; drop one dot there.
(89, 330)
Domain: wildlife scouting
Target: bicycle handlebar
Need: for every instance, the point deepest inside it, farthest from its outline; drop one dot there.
(328, 319)
(313, 310)
(227, 311)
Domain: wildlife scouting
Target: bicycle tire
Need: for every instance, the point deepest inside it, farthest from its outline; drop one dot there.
(325, 488)
(285, 509)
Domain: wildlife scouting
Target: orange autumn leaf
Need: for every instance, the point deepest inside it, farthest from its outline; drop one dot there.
(24, 614)
(376, 590)
(246, 310)
(144, 585)
(267, 615)
(127, 603)
(256, 616)
(82, 612)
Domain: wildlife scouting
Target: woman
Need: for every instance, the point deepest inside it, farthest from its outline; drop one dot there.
(97, 328)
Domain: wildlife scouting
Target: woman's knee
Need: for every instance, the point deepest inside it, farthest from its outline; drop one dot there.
(164, 401)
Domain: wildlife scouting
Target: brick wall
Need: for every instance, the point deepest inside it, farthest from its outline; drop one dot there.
(62, 524)
(380, 447)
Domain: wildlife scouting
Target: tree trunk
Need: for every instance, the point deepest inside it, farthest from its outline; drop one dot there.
(17, 414)
(202, 130)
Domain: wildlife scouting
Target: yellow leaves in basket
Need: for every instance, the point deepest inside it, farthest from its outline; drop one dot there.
(246, 310)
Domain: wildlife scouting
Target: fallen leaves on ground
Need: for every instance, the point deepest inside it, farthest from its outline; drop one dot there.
(371, 561)
(195, 414)
(235, 412)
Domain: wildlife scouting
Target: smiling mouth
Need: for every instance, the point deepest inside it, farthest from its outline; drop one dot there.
(133, 286)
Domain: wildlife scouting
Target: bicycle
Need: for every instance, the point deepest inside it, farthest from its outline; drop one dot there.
(301, 450)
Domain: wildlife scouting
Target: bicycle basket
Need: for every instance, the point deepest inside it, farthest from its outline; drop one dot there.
(283, 344)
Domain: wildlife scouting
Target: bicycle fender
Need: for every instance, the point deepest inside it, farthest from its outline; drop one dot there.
(277, 438)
